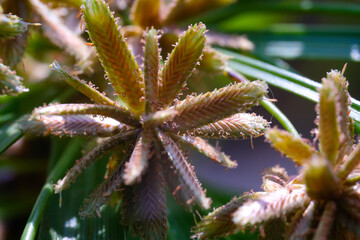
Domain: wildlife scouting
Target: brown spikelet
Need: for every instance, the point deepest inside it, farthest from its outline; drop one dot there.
(184, 169)
(146, 13)
(102, 194)
(181, 62)
(293, 147)
(117, 113)
(267, 206)
(72, 125)
(115, 56)
(351, 163)
(208, 150)
(151, 212)
(89, 158)
(138, 161)
(219, 222)
(82, 86)
(241, 125)
(274, 179)
(176, 186)
(212, 106)
(62, 36)
(328, 125)
(151, 69)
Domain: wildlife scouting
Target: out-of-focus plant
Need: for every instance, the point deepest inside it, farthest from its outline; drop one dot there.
(323, 201)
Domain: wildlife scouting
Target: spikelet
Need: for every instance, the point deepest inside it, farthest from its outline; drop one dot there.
(267, 206)
(321, 181)
(62, 36)
(324, 228)
(72, 125)
(181, 62)
(12, 49)
(212, 106)
(151, 69)
(351, 163)
(100, 150)
(301, 228)
(118, 113)
(102, 194)
(219, 222)
(177, 188)
(138, 162)
(328, 125)
(343, 109)
(184, 169)
(293, 147)
(146, 13)
(151, 197)
(82, 86)
(235, 42)
(10, 83)
(240, 125)
(212, 61)
(11, 25)
(274, 179)
(207, 149)
(115, 56)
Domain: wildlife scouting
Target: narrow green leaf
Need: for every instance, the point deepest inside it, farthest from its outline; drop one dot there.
(9, 134)
(292, 146)
(181, 62)
(115, 56)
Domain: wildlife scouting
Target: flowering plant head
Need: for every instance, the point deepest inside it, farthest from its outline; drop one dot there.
(145, 124)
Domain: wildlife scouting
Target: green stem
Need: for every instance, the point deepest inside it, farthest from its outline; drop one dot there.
(283, 120)
(47, 191)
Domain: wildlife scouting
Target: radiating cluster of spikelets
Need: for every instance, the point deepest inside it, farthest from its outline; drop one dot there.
(145, 124)
(323, 201)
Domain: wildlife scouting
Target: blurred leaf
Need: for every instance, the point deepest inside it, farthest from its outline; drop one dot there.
(9, 135)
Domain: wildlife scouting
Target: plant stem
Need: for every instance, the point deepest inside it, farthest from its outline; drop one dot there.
(283, 120)
(47, 191)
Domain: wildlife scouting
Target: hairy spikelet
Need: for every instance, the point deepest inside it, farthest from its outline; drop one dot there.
(82, 86)
(115, 56)
(117, 113)
(129, 208)
(151, 69)
(274, 179)
(293, 147)
(102, 194)
(152, 203)
(184, 169)
(343, 108)
(268, 206)
(178, 189)
(138, 161)
(212, 106)
(321, 181)
(241, 125)
(12, 49)
(208, 150)
(10, 83)
(72, 125)
(11, 25)
(323, 229)
(351, 163)
(301, 229)
(181, 62)
(219, 222)
(328, 126)
(100, 150)
(212, 61)
(146, 13)
(62, 36)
